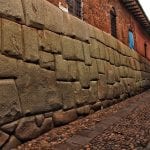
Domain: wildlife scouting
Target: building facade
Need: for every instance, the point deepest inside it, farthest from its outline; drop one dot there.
(117, 17)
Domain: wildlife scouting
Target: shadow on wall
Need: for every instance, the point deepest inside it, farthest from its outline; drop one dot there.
(55, 68)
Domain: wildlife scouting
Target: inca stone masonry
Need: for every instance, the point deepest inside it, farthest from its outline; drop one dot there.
(55, 68)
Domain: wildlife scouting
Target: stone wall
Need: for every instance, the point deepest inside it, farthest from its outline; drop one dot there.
(55, 68)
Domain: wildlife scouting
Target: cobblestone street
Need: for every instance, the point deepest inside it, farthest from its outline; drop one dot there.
(124, 126)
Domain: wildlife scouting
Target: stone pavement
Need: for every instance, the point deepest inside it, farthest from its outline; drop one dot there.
(129, 128)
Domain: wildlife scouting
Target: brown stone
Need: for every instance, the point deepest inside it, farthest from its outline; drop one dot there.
(12, 38)
(62, 118)
(62, 69)
(34, 13)
(96, 106)
(93, 70)
(39, 120)
(81, 95)
(3, 138)
(27, 129)
(30, 38)
(47, 125)
(9, 101)
(84, 76)
(85, 110)
(66, 91)
(50, 42)
(47, 60)
(10, 127)
(12, 143)
(87, 58)
(53, 17)
(7, 10)
(37, 89)
(94, 49)
(8, 67)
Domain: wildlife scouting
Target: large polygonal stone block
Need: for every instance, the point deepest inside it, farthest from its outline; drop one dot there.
(102, 51)
(0, 34)
(30, 38)
(101, 66)
(12, 38)
(99, 35)
(91, 31)
(73, 70)
(62, 118)
(49, 41)
(93, 92)
(94, 49)
(77, 26)
(81, 95)
(84, 74)
(68, 48)
(12, 10)
(3, 138)
(102, 87)
(8, 67)
(9, 101)
(53, 17)
(37, 89)
(66, 91)
(79, 54)
(34, 12)
(62, 71)
(87, 58)
(94, 70)
(46, 60)
(111, 56)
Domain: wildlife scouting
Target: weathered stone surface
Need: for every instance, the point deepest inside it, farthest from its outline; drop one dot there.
(27, 129)
(111, 56)
(53, 17)
(3, 138)
(85, 110)
(47, 125)
(79, 55)
(62, 71)
(8, 67)
(66, 91)
(91, 29)
(46, 60)
(110, 92)
(7, 10)
(10, 127)
(99, 35)
(101, 66)
(49, 41)
(68, 48)
(102, 87)
(79, 24)
(9, 101)
(30, 38)
(87, 58)
(39, 120)
(34, 14)
(93, 92)
(93, 70)
(67, 25)
(12, 38)
(97, 106)
(110, 73)
(84, 76)
(62, 118)
(73, 70)
(81, 95)
(0, 34)
(94, 49)
(102, 51)
(12, 143)
(37, 89)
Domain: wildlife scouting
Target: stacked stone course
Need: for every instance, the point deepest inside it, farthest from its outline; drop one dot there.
(55, 68)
